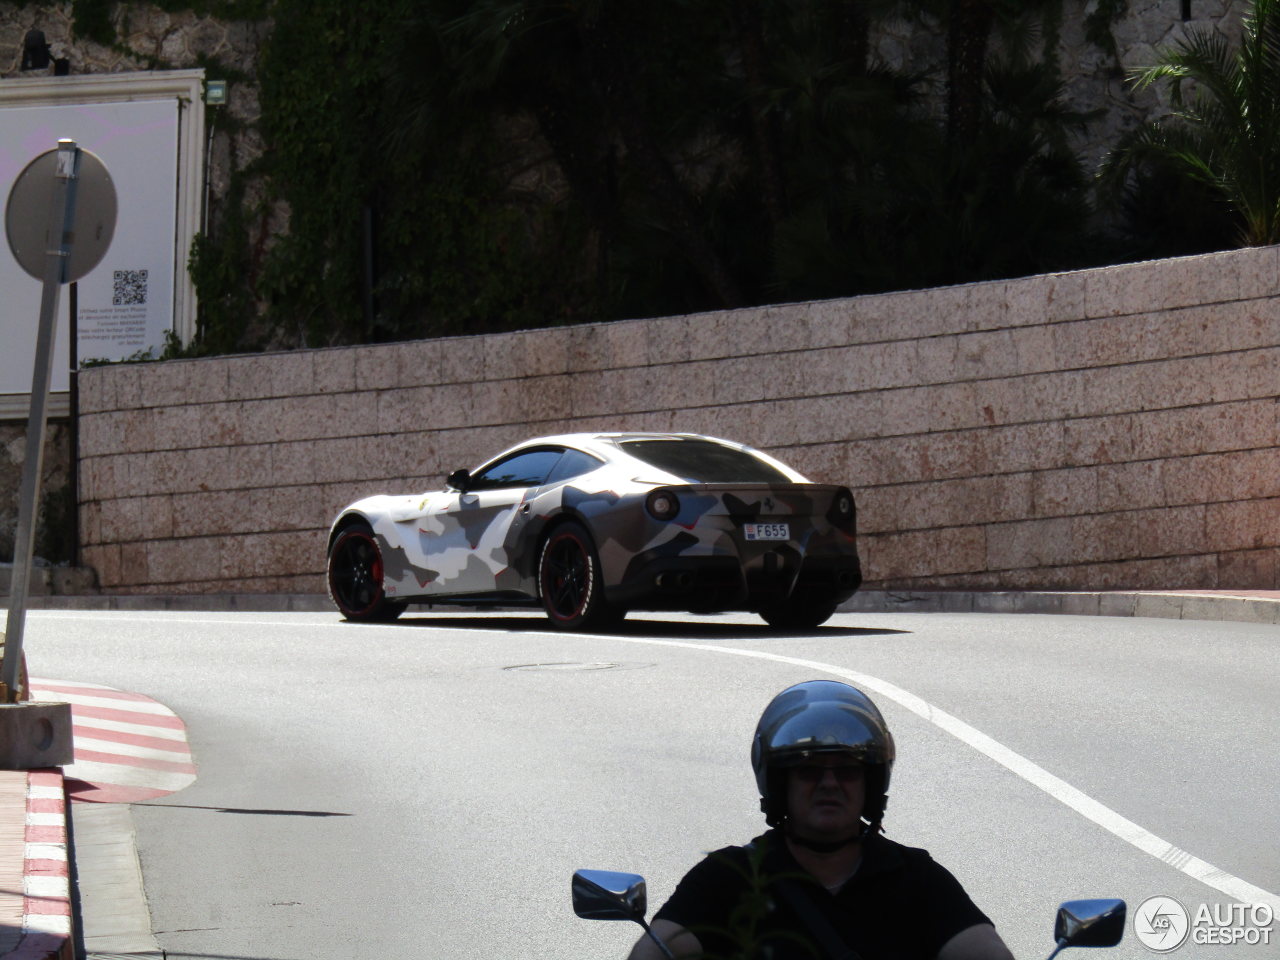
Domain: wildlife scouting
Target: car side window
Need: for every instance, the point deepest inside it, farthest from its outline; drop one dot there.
(529, 468)
(574, 463)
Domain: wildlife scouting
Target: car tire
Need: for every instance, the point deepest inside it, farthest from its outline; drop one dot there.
(355, 575)
(798, 615)
(570, 582)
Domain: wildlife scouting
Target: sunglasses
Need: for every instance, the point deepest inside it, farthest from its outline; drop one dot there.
(814, 772)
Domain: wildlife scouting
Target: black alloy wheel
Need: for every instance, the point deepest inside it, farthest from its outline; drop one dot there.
(570, 583)
(355, 576)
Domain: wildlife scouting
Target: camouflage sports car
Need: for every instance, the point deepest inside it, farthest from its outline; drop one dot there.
(594, 525)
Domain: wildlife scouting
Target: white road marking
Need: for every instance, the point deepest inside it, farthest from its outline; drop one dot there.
(89, 686)
(47, 923)
(128, 706)
(143, 754)
(1111, 821)
(179, 754)
(162, 621)
(117, 774)
(46, 851)
(35, 885)
(120, 726)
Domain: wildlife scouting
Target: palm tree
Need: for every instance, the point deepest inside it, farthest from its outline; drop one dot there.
(971, 27)
(1224, 132)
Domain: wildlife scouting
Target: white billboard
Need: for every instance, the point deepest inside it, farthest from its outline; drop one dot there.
(147, 129)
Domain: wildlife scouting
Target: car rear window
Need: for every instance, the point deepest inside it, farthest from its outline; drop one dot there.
(703, 461)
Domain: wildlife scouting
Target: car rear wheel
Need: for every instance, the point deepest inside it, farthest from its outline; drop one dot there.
(798, 614)
(570, 583)
(355, 576)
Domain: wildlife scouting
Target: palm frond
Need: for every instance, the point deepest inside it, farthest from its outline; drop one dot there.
(1225, 128)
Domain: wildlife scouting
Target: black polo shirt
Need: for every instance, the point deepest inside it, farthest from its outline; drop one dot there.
(899, 905)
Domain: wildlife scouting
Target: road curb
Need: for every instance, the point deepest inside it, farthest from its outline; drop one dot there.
(44, 877)
(1244, 606)
(1257, 606)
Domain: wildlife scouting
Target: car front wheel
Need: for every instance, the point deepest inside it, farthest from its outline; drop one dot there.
(355, 576)
(570, 583)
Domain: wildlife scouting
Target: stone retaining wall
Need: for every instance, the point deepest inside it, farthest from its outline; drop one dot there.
(1100, 429)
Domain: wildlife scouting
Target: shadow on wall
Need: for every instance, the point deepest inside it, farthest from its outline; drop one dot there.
(55, 541)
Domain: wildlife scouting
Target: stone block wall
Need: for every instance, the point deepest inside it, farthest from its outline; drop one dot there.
(1107, 428)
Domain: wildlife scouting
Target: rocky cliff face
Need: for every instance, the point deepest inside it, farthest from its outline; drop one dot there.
(1094, 78)
(155, 39)
(53, 535)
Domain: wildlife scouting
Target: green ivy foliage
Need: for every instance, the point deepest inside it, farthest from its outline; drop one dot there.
(319, 89)
(222, 270)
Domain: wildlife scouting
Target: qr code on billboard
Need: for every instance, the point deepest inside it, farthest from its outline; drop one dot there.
(130, 288)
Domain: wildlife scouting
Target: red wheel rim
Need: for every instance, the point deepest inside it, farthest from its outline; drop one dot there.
(566, 576)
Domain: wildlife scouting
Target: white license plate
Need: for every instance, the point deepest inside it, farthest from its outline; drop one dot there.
(767, 531)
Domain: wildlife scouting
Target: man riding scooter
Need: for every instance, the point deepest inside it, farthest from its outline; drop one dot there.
(824, 882)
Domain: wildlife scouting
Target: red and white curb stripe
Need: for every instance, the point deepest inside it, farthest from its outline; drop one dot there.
(46, 912)
(128, 747)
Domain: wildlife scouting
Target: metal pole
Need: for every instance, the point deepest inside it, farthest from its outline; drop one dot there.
(73, 426)
(58, 240)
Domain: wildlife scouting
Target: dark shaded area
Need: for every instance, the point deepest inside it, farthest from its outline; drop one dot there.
(521, 163)
(269, 813)
(664, 629)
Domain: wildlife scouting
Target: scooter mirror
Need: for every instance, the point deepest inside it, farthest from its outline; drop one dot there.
(606, 895)
(1089, 923)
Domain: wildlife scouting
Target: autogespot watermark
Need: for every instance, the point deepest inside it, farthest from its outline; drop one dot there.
(1162, 924)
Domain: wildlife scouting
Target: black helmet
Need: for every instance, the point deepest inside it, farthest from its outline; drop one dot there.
(821, 716)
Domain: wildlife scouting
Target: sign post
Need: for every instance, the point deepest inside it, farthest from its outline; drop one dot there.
(59, 221)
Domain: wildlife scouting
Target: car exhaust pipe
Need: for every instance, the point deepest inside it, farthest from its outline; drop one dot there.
(675, 582)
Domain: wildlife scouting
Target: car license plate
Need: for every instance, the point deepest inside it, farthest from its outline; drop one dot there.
(767, 531)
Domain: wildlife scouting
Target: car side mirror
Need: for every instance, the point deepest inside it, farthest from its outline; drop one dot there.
(1089, 923)
(460, 480)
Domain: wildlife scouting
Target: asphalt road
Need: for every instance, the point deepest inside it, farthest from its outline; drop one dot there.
(427, 788)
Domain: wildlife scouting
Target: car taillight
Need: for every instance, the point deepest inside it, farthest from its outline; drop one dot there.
(843, 513)
(662, 505)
